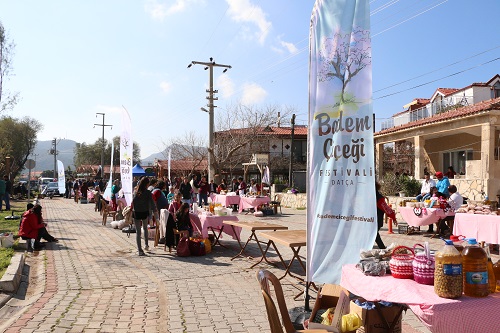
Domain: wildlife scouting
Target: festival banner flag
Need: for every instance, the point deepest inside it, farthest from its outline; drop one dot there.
(61, 178)
(341, 207)
(266, 177)
(107, 191)
(169, 159)
(126, 145)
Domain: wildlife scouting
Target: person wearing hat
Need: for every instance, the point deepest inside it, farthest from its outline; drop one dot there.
(442, 185)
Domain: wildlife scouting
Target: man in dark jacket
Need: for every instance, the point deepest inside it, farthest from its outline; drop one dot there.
(186, 190)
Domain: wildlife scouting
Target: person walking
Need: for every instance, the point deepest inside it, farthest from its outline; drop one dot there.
(8, 192)
(2, 192)
(203, 190)
(382, 208)
(114, 193)
(185, 189)
(143, 205)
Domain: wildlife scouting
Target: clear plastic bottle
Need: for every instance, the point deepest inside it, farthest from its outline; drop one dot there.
(448, 281)
(492, 281)
(475, 270)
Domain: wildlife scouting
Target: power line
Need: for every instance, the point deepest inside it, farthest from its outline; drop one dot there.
(411, 18)
(438, 69)
(441, 78)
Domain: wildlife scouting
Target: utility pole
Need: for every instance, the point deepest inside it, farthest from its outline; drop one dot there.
(290, 175)
(210, 65)
(103, 125)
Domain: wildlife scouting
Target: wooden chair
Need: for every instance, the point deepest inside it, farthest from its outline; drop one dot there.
(264, 277)
(276, 203)
(107, 212)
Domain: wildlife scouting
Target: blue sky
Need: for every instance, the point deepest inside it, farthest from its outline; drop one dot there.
(76, 58)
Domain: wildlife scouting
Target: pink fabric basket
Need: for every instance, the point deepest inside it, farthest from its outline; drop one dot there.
(423, 266)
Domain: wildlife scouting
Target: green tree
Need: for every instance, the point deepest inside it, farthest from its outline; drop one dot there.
(18, 138)
(7, 100)
(90, 154)
(47, 173)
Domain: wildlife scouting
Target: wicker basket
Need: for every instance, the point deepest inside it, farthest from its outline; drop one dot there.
(423, 266)
(401, 264)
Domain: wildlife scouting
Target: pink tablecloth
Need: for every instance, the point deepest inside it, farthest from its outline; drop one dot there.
(428, 216)
(466, 314)
(202, 222)
(482, 227)
(227, 200)
(247, 202)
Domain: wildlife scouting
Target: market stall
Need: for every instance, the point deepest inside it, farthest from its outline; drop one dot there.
(466, 314)
(252, 202)
(226, 200)
(417, 216)
(482, 227)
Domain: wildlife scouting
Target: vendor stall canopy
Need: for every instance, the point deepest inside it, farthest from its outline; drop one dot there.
(138, 171)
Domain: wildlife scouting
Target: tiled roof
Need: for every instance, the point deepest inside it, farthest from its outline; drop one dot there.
(183, 165)
(447, 91)
(465, 111)
(300, 130)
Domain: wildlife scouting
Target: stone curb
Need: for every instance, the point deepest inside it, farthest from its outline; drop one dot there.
(12, 278)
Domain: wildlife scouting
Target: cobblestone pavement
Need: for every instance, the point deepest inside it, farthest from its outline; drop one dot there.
(94, 281)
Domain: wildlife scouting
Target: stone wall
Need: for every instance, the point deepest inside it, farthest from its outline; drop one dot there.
(289, 200)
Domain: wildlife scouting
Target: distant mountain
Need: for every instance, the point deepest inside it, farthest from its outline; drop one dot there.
(45, 161)
(151, 158)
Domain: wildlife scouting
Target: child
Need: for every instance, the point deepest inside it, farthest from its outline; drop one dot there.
(171, 194)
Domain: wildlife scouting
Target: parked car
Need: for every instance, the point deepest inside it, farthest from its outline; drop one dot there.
(51, 190)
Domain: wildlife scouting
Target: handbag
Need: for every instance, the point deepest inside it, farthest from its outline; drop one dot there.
(183, 247)
(197, 247)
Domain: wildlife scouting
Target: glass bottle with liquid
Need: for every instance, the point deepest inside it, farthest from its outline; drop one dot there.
(492, 281)
(475, 270)
(496, 271)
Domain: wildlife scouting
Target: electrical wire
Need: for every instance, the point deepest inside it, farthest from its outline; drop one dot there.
(409, 19)
(438, 69)
(441, 78)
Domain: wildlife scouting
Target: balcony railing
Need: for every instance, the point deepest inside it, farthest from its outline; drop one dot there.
(431, 109)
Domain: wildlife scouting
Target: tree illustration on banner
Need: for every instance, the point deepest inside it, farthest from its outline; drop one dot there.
(343, 56)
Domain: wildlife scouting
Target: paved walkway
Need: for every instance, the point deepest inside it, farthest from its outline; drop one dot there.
(94, 281)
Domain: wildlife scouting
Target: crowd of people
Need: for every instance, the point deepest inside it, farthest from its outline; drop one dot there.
(441, 190)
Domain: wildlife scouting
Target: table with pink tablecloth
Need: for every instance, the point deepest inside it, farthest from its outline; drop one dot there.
(203, 222)
(466, 314)
(482, 227)
(249, 202)
(427, 216)
(227, 200)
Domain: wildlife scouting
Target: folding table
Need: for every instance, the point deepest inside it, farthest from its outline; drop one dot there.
(253, 226)
(294, 239)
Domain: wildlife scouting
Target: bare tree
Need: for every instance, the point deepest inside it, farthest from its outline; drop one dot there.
(7, 100)
(238, 134)
(343, 56)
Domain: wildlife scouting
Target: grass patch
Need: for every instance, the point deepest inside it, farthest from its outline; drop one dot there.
(19, 207)
(5, 256)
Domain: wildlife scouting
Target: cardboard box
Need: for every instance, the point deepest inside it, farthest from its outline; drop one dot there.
(331, 295)
(372, 321)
